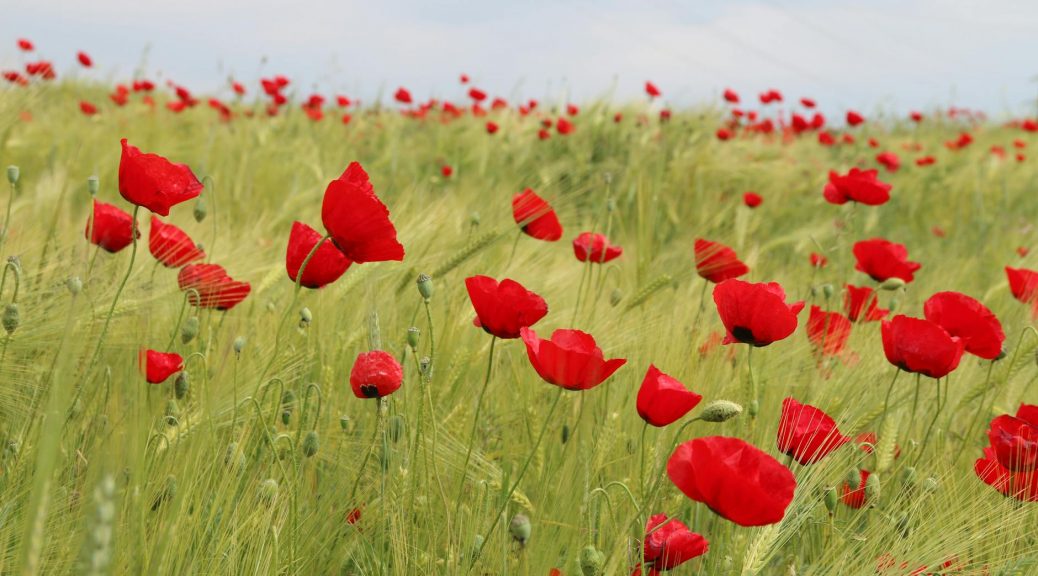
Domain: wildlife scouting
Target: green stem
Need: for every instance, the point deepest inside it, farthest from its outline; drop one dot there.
(115, 300)
(475, 426)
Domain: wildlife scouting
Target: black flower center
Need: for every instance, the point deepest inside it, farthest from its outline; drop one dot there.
(369, 390)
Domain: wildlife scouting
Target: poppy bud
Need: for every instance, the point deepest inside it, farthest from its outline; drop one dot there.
(344, 422)
(11, 318)
(189, 330)
(615, 297)
(477, 545)
(1002, 354)
(872, 487)
(288, 402)
(720, 411)
(425, 287)
(396, 427)
(74, 285)
(830, 500)
(305, 317)
(520, 528)
(565, 433)
(893, 283)
(827, 289)
(200, 209)
(853, 477)
(754, 408)
(908, 476)
(172, 412)
(310, 444)
(592, 561)
(425, 366)
(93, 185)
(15, 261)
(474, 219)
(268, 490)
(930, 485)
(412, 337)
(12, 174)
(239, 345)
(181, 384)
(611, 205)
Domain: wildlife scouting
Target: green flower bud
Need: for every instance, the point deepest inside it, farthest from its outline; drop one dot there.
(872, 487)
(853, 477)
(395, 427)
(830, 500)
(305, 317)
(425, 287)
(181, 384)
(930, 485)
(93, 185)
(477, 545)
(908, 476)
(615, 297)
(754, 408)
(827, 290)
(74, 285)
(474, 219)
(311, 444)
(412, 337)
(12, 174)
(239, 345)
(344, 422)
(11, 318)
(425, 366)
(892, 284)
(520, 528)
(268, 490)
(720, 411)
(200, 210)
(592, 561)
(172, 412)
(189, 330)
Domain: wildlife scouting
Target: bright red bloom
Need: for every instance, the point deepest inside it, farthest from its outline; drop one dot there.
(807, 103)
(854, 118)
(375, 374)
(564, 126)
(151, 181)
(862, 186)
(828, 331)
(1014, 439)
(855, 497)
(925, 161)
(652, 90)
(1023, 283)
(571, 359)
(158, 366)
(446, 171)
(357, 220)
(731, 96)
(87, 108)
(492, 127)
(1019, 485)
(921, 346)
(535, 216)
(916, 116)
(807, 433)
(572, 109)
(324, 267)
(889, 160)
(215, 289)
(755, 314)
(171, 245)
(663, 400)
(595, 248)
(860, 304)
(752, 199)
(504, 308)
(403, 96)
(737, 480)
(668, 544)
(25, 45)
(818, 260)
(717, 262)
(882, 259)
(84, 59)
(969, 320)
(477, 94)
(111, 228)
(543, 134)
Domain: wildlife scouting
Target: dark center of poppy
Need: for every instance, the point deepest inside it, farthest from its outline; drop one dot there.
(369, 390)
(744, 335)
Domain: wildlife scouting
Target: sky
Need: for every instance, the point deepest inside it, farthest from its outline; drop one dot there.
(893, 55)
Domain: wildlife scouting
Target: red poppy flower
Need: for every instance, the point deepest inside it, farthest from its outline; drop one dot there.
(663, 400)
(652, 90)
(723, 134)
(862, 186)
(543, 134)
(854, 118)
(860, 304)
(375, 374)
(1023, 283)
(215, 289)
(818, 260)
(403, 96)
(1019, 485)
(492, 127)
(668, 544)
(572, 109)
(446, 171)
(357, 220)
(324, 267)
(889, 160)
(752, 199)
(25, 45)
(571, 359)
(87, 108)
(882, 259)
(737, 480)
(925, 161)
(921, 346)
(171, 245)
(595, 248)
(84, 59)
(1015, 442)
(158, 366)
(564, 126)
(969, 320)
(731, 96)
(504, 308)
(807, 433)
(477, 94)
(755, 314)
(855, 497)
(717, 262)
(111, 228)
(828, 331)
(151, 181)
(916, 116)
(535, 216)
(807, 103)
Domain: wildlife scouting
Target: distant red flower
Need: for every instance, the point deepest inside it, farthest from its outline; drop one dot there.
(158, 366)
(861, 304)
(882, 259)
(595, 248)
(873, 143)
(543, 134)
(375, 374)
(663, 400)
(969, 320)
(1023, 283)
(807, 433)
(464, 78)
(1014, 440)
(87, 108)
(920, 346)
(325, 266)
(503, 309)
(855, 496)
(1022, 251)
(153, 182)
(111, 228)
(215, 289)
(572, 109)
(25, 45)
(535, 216)
(446, 171)
(862, 186)
(731, 96)
(916, 116)
(736, 480)
(755, 314)
(492, 127)
(238, 88)
(925, 161)
(752, 199)
(854, 118)
(357, 220)
(818, 260)
(403, 96)
(807, 103)
(828, 331)
(889, 160)
(723, 134)
(668, 544)
(477, 94)
(564, 126)
(717, 262)
(570, 359)
(172, 246)
(618, 117)
(652, 90)
(84, 59)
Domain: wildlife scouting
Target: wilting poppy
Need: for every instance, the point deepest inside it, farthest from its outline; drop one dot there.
(860, 304)
(861, 186)
(735, 479)
(504, 308)
(882, 259)
(828, 331)
(570, 359)
(717, 262)
(153, 182)
(752, 199)
(595, 248)
(158, 366)
(172, 246)
(855, 496)
(807, 433)
(663, 400)
(111, 228)
(921, 346)
(669, 543)
(755, 314)
(325, 266)
(535, 216)
(1014, 439)
(375, 374)
(357, 220)
(215, 289)
(969, 320)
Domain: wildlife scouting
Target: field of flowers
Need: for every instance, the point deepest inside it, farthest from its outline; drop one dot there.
(270, 332)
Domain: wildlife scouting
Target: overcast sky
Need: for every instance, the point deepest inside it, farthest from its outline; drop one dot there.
(895, 54)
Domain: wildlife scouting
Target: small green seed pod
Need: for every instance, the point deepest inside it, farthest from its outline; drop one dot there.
(720, 411)
(189, 330)
(830, 500)
(305, 317)
(93, 185)
(344, 423)
(827, 290)
(872, 487)
(13, 174)
(239, 345)
(853, 477)
(74, 285)
(908, 476)
(425, 366)
(200, 209)
(181, 385)
(474, 219)
(412, 337)
(172, 412)
(11, 318)
(754, 408)
(930, 485)
(592, 561)
(520, 529)
(615, 297)
(892, 284)
(425, 286)
(311, 444)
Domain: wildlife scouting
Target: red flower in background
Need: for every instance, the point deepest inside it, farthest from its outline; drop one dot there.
(172, 246)
(491, 127)
(916, 116)
(595, 248)
(663, 400)
(882, 259)
(668, 544)
(1014, 439)
(861, 186)
(84, 59)
(855, 497)
(652, 90)
(535, 216)
(446, 171)
(153, 182)
(375, 374)
(920, 346)
(860, 304)
(111, 228)
(889, 160)
(807, 433)
(357, 220)
(215, 289)
(752, 199)
(828, 331)
(1023, 283)
(807, 103)
(755, 314)
(87, 108)
(723, 134)
(326, 265)
(969, 320)
(925, 161)
(477, 94)
(731, 96)
(158, 366)
(717, 262)
(564, 126)
(504, 308)
(403, 96)
(736, 480)
(25, 45)
(570, 359)
(854, 118)
(818, 260)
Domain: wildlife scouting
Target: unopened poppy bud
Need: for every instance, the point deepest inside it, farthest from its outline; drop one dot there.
(344, 422)
(268, 490)
(305, 317)
(412, 337)
(239, 345)
(872, 487)
(200, 210)
(611, 205)
(474, 219)
(425, 365)
(930, 485)
(615, 297)
(477, 545)
(1002, 354)
(11, 318)
(565, 433)
(830, 500)
(311, 444)
(189, 330)
(720, 411)
(12, 174)
(853, 477)
(815, 290)
(74, 285)
(827, 290)
(15, 261)
(892, 284)
(172, 412)
(93, 185)
(395, 427)
(425, 287)
(520, 528)
(908, 476)
(754, 408)
(181, 384)
(592, 561)
(271, 307)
